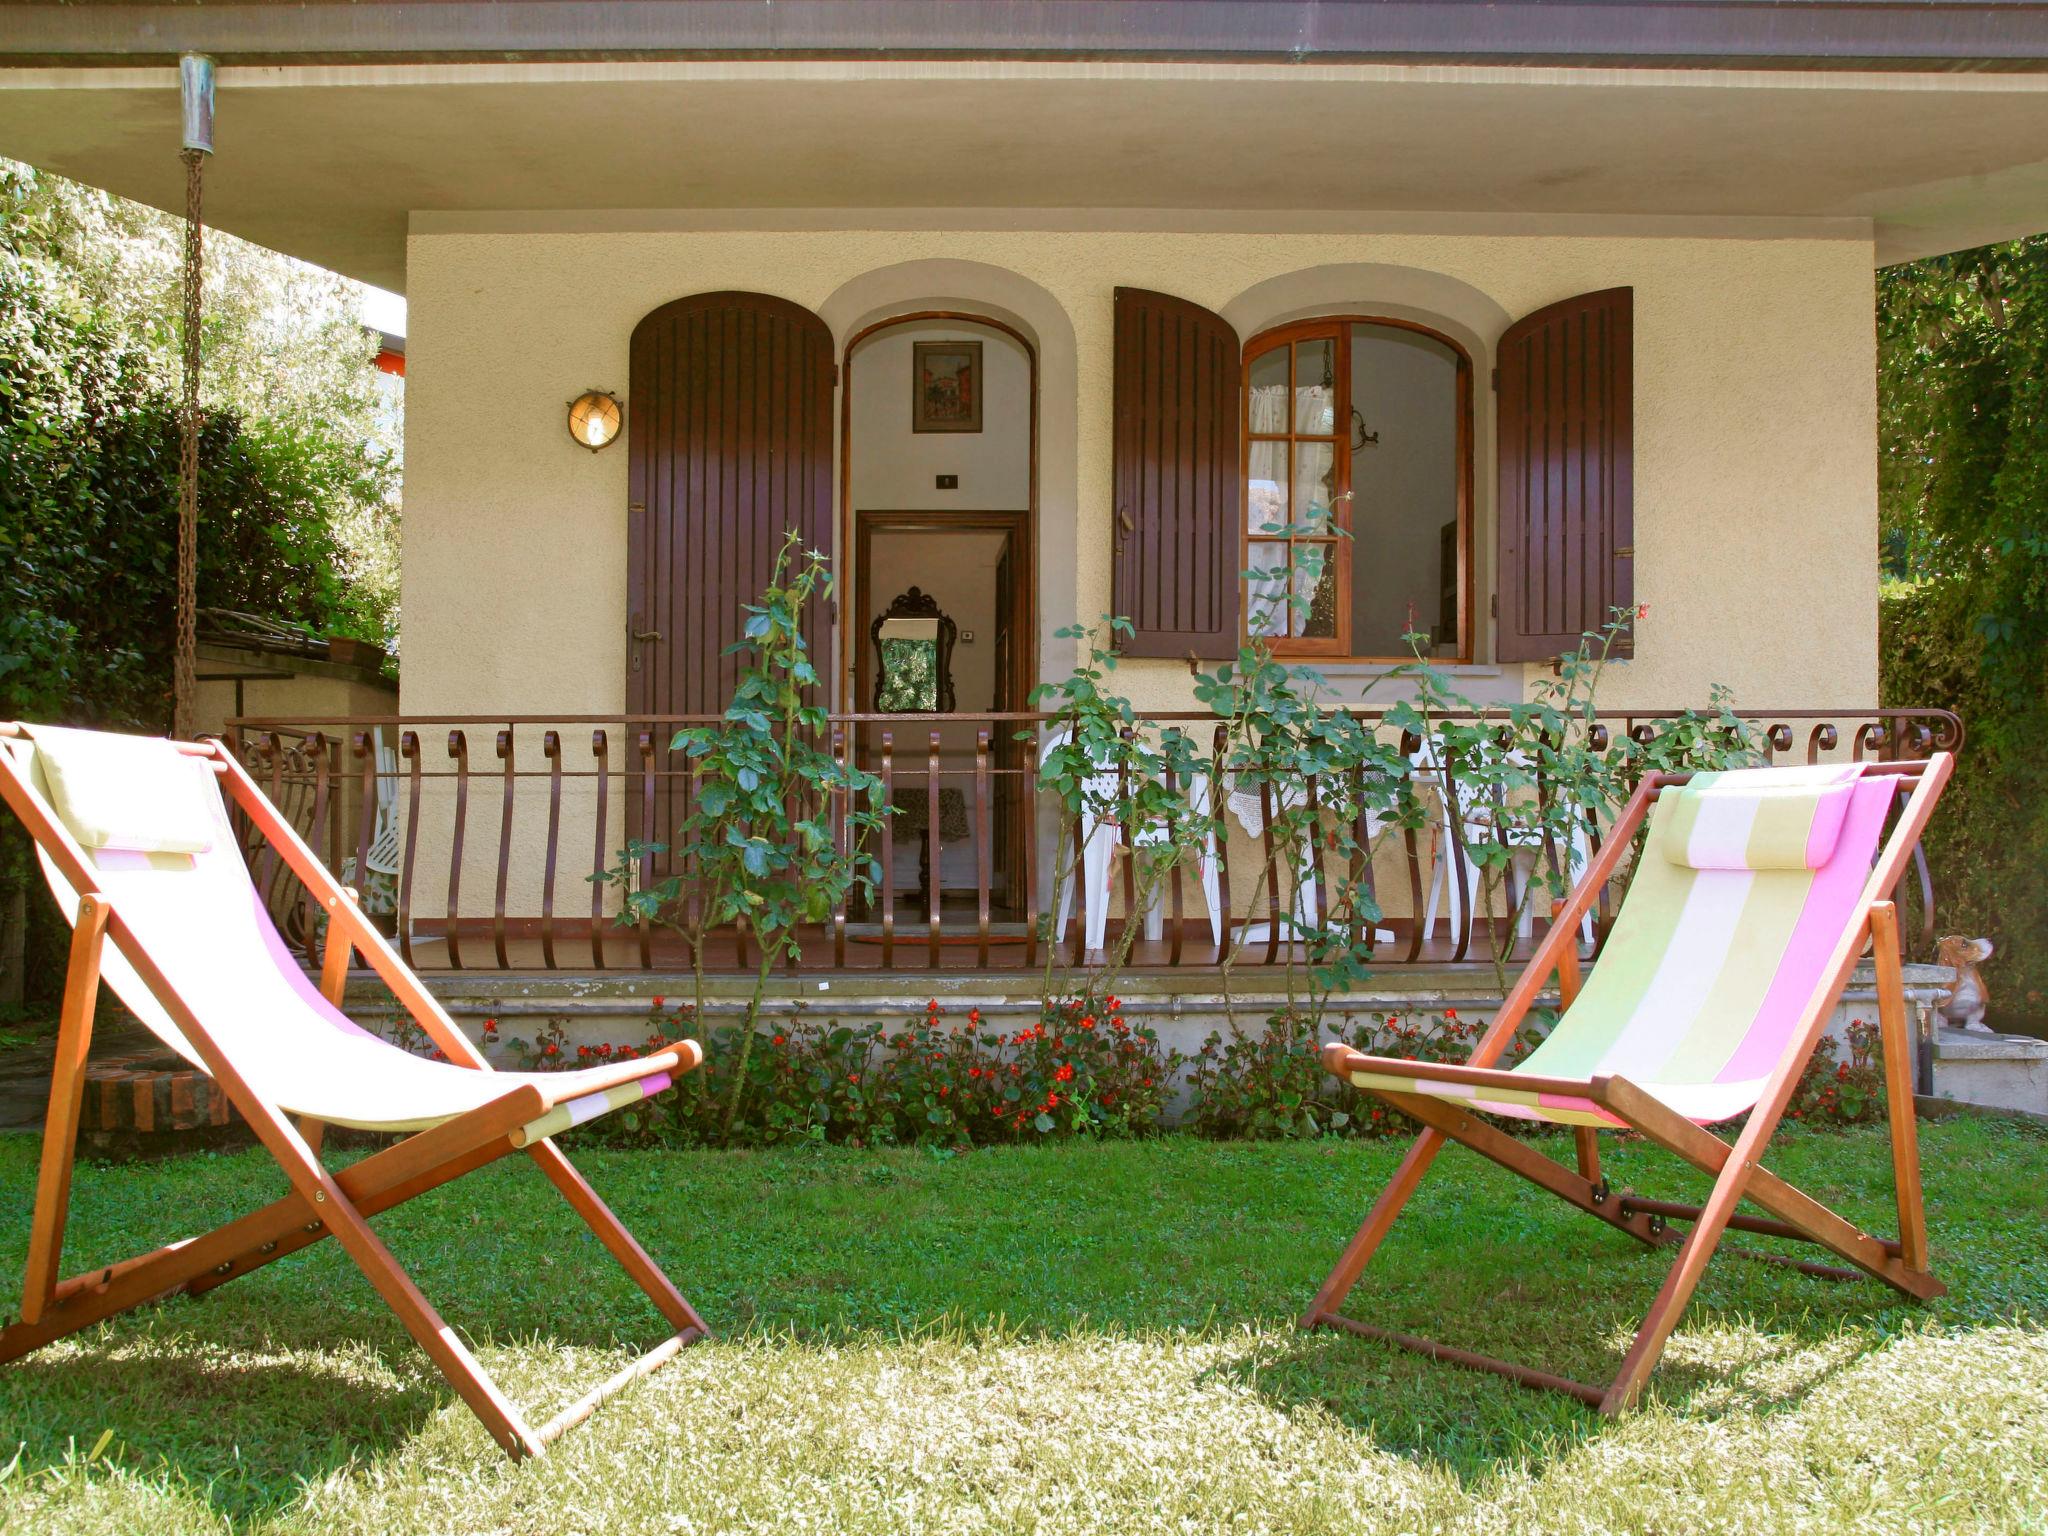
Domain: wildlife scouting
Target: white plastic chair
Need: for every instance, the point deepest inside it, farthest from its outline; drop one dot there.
(1098, 841)
(1476, 814)
(384, 853)
(1248, 807)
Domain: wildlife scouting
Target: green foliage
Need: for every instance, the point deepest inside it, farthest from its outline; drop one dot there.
(1278, 738)
(1833, 1092)
(761, 850)
(1271, 1086)
(1076, 1070)
(1963, 424)
(1987, 846)
(1963, 437)
(89, 486)
(1538, 776)
(1123, 772)
(1079, 1069)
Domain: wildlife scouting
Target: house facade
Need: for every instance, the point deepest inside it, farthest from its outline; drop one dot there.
(1334, 323)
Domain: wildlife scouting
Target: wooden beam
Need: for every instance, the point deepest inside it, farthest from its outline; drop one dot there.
(67, 1090)
(1895, 1041)
(1708, 1153)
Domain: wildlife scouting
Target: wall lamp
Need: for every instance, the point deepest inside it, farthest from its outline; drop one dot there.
(595, 417)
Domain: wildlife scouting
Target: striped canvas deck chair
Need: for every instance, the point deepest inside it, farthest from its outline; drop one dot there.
(1754, 895)
(135, 840)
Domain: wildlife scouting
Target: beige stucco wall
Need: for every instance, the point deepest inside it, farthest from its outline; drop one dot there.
(1755, 433)
(1755, 428)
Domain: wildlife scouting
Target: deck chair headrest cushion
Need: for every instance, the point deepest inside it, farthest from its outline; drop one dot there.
(1760, 818)
(138, 794)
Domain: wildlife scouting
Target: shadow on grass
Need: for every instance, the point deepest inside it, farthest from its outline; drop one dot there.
(1729, 1356)
(284, 1378)
(241, 1422)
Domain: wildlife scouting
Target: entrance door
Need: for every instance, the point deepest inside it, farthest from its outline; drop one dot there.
(970, 566)
(731, 447)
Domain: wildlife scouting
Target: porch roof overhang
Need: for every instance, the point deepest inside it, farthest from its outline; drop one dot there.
(1921, 127)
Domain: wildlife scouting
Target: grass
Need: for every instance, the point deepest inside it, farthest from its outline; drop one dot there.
(1080, 1338)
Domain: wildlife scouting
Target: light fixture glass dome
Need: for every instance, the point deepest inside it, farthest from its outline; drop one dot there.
(594, 419)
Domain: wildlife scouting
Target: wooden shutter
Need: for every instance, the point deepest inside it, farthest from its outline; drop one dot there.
(1567, 501)
(731, 447)
(1176, 477)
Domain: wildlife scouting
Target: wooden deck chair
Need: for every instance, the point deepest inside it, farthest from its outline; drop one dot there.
(1754, 895)
(137, 846)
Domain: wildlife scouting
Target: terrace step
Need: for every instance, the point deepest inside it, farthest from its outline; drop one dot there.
(1992, 1071)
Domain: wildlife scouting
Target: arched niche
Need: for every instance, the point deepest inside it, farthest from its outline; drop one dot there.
(1042, 323)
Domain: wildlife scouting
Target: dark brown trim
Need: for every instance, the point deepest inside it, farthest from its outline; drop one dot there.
(1790, 34)
(1339, 326)
(1023, 605)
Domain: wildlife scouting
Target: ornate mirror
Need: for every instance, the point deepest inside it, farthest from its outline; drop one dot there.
(913, 645)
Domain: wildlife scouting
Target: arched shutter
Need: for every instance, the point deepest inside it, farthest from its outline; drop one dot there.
(1567, 495)
(1176, 477)
(731, 447)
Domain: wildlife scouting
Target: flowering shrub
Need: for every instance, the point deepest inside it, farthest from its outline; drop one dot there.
(1079, 1069)
(1836, 1092)
(1272, 1086)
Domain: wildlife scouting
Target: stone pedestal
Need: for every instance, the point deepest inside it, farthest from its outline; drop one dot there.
(1995, 1071)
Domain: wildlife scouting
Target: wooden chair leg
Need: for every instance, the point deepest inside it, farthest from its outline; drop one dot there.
(339, 950)
(1819, 1225)
(1677, 1289)
(1519, 1157)
(1585, 1139)
(450, 1356)
(1359, 1251)
(60, 1125)
(1895, 1041)
(619, 1242)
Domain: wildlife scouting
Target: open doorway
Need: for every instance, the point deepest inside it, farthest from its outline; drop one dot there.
(940, 484)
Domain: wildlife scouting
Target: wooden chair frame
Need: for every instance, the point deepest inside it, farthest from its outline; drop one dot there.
(321, 1203)
(1735, 1167)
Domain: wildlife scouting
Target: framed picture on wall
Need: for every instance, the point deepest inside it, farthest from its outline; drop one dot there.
(945, 386)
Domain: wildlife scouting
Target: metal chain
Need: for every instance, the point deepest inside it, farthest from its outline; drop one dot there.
(185, 666)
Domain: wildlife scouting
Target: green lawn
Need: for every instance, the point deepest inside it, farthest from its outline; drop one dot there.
(1081, 1338)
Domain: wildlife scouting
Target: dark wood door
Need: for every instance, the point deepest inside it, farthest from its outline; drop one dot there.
(1566, 556)
(1176, 477)
(730, 448)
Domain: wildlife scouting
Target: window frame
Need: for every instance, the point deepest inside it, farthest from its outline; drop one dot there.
(1337, 328)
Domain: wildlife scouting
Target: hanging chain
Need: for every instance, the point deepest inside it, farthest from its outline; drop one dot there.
(183, 679)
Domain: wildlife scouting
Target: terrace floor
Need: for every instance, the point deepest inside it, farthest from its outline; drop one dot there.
(1075, 1338)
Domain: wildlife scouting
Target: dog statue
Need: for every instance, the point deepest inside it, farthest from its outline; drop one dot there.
(1968, 997)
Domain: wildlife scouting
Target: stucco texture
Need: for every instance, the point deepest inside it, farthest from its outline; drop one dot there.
(1755, 436)
(1755, 441)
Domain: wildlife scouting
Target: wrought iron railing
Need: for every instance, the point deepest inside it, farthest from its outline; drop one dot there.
(491, 827)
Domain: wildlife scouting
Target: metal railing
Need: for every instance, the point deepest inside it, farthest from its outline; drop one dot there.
(494, 825)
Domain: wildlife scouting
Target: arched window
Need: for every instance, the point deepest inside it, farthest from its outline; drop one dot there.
(1358, 453)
